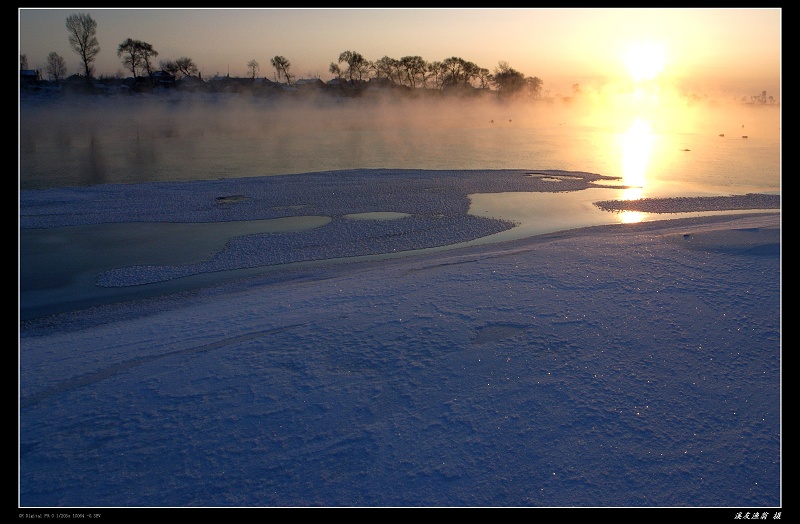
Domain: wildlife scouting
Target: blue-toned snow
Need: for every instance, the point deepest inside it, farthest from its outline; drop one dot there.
(626, 365)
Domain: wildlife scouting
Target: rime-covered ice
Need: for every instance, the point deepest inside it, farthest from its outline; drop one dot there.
(622, 365)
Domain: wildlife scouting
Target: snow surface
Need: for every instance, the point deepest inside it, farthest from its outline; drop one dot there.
(615, 366)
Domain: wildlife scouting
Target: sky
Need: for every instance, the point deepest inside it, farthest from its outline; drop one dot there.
(635, 365)
(701, 50)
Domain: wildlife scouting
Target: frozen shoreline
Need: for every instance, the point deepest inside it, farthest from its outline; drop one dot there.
(430, 208)
(726, 234)
(628, 365)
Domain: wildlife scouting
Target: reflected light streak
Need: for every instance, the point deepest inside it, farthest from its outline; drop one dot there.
(637, 144)
(631, 217)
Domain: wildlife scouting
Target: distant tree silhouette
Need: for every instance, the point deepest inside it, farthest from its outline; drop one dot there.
(23, 62)
(56, 67)
(508, 80)
(179, 68)
(147, 53)
(436, 74)
(136, 55)
(82, 30)
(127, 50)
(253, 67)
(386, 67)
(282, 65)
(170, 66)
(458, 72)
(334, 69)
(187, 66)
(534, 86)
(484, 77)
(413, 70)
(357, 65)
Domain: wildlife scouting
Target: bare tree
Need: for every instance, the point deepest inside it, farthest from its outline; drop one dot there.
(484, 77)
(436, 74)
(180, 68)
(282, 65)
(170, 66)
(147, 53)
(137, 55)
(23, 62)
(82, 30)
(253, 67)
(336, 70)
(508, 80)
(534, 85)
(186, 66)
(414, 70)
(56, 67)
(387, 67)
(458, 72)
(128, 51)
(357, 65)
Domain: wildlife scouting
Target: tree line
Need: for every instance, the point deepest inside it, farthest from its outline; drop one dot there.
(409, 71)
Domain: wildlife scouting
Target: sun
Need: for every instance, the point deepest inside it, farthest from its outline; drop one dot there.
(645, 60)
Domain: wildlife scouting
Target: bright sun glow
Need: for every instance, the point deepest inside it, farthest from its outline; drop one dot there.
(645, 60)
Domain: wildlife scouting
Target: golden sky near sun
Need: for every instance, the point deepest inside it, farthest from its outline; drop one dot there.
(645, 60)
(728, 49)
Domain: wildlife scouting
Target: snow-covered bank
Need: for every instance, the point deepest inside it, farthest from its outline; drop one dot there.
(627, 365)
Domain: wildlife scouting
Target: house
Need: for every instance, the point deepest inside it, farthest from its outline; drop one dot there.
(163, 78)
(192, 83)
(30, 75)
(309, 83)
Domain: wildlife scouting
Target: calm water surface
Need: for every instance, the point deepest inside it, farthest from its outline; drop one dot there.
(668, 152)
(683, 151)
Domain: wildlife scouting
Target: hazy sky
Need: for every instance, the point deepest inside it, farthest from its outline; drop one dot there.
(736, 51)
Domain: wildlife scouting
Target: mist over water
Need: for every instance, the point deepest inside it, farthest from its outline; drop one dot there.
(109, 140)
(653, 151)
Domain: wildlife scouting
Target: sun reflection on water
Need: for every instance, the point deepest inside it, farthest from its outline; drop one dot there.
(636, 146)
(631, 217)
